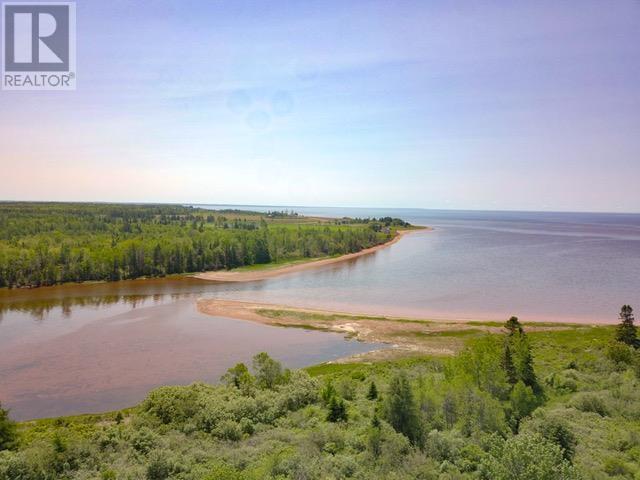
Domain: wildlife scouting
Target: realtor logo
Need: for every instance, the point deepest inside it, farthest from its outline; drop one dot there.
(38, 51)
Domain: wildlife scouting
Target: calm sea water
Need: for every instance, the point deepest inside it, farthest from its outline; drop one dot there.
(486, 265)
(83, 348)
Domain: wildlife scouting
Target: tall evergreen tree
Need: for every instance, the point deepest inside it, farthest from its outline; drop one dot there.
(400, 409)
(627, 331)
(524, 364)
(8, 430)
(372, 394)
(508, 366)
(337, 410)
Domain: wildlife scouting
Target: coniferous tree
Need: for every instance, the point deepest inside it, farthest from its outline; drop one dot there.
(400, 408)
(513, 325)
(337, 410)
(626, 331)
(8, 430)
(372, 394)
(374, 438)
(525, 369)
(507, 364)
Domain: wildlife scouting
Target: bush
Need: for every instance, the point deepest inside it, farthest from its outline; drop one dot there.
(563, 382)
(616, 467)
(224, 472)
(347, 388)
(158, 467)
(590, 402)
(526, 457)
(144, 440)
(620, 354)
(228, 430)
(523, 402)
(173, 404)
(555, 430)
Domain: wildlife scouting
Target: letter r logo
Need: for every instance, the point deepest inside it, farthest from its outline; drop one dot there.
(36, 37)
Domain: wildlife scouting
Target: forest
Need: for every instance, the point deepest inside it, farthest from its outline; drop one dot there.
(522, 404)
(49, 243)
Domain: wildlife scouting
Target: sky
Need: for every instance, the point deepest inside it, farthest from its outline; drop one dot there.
(435, 104)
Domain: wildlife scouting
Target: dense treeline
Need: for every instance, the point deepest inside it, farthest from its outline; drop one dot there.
(489, 414)
(375, 222)
(45, 244)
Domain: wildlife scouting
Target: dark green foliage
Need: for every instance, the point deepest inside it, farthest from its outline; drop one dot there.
(558, 432)
(49, 243)
(8, 431)
(517, 358)
(508, 366)
(513, 326)
(401, 410)
(372, 394)
(626, 331)
(525, 369)
(337, 410)
(158, 468)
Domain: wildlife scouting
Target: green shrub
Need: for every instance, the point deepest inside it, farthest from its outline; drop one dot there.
(620, 354)
(526, 457)
(563, 382)
(590, 402)
(144, 440)
(173, 404)
(158, 467)
(228, 430)
(615, 467)
(224, 472)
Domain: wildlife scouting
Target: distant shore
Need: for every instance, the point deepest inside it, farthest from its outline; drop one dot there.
(240, 275)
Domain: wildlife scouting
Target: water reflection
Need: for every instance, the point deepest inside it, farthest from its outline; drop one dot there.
(94, 346)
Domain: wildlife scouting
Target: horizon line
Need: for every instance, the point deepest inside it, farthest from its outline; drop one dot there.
(499, 210)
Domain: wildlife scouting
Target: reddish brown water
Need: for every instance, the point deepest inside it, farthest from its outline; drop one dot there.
(83, 348)
(79, 349)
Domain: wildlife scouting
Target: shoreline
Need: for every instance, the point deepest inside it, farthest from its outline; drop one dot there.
(256, 275)
(404, 336)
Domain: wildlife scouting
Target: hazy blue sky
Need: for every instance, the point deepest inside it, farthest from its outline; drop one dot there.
(491, 105)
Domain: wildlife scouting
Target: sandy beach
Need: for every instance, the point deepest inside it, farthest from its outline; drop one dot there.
(266, 273)
(405, 336)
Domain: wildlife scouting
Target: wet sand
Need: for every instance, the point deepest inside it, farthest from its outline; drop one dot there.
(404, 335)
(266, 273)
